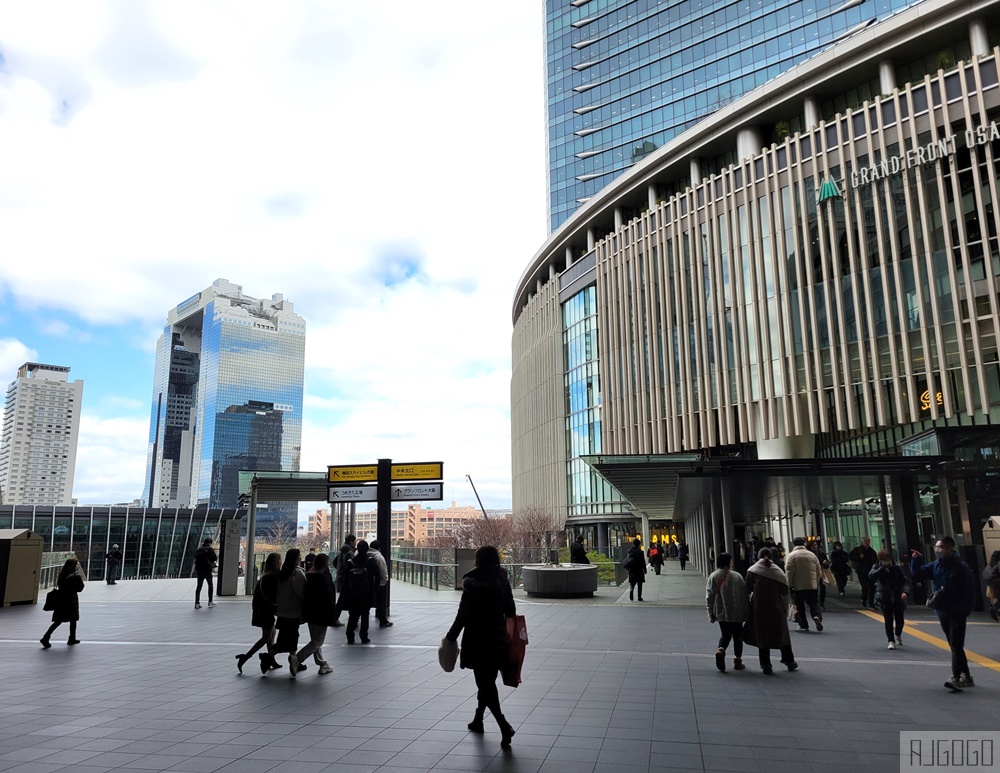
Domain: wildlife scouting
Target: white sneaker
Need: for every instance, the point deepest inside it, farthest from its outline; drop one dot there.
(212, 603)
(899, 641)
(892, 646)
(197, 606)
(326, 668)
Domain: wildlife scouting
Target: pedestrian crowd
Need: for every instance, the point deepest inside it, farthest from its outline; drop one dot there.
(757, 609)
(287, 595)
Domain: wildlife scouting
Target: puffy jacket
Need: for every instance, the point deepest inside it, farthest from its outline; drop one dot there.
(803, 569)
(951, 576)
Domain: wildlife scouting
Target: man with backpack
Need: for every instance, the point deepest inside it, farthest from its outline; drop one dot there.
(205, 560)
(362, 579)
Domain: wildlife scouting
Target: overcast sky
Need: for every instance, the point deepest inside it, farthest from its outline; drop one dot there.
(381, 164)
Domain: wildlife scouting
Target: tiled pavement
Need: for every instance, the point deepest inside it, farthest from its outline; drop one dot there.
(608, 684)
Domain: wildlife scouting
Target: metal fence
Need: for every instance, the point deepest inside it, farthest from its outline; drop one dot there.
(424, 573)
(52, 564)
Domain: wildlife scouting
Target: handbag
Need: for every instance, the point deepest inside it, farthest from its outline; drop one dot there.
(935, 599)
(448, 654)
(52, 599)
(828, 577)
(517, 630)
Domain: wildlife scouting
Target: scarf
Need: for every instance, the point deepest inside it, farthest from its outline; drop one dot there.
(772, 572)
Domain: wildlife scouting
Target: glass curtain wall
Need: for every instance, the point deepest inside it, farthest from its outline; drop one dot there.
(589, 494)
(156, 543)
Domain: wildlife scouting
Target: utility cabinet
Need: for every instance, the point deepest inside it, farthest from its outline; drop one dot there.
(20, 566)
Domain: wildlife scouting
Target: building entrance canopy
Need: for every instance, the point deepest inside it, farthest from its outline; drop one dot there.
(676, 486)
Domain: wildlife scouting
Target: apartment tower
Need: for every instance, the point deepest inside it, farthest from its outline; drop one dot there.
(41, 426)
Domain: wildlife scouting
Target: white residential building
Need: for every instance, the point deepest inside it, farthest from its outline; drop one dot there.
(41, 426)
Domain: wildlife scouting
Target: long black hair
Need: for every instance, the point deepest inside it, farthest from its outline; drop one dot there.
(272, 563)
(68, 568)
(291, 564)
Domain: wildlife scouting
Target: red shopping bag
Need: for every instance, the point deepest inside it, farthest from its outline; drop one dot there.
(517, 630)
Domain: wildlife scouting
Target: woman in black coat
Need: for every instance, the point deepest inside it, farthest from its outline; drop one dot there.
(486, 604)
(840, 566)
(265, 598)
(682, 553)
(319, 610)
(636, 563)
(70, 584)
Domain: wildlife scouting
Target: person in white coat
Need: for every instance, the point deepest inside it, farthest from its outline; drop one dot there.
(805, 574)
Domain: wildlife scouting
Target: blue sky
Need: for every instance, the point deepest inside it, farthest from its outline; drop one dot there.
(387, 178)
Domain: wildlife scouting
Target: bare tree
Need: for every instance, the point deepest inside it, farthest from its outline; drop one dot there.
(482, 531)
(534, 531)
(278, 536)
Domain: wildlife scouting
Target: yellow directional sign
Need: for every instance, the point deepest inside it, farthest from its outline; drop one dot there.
(418, 471)
(352, 473)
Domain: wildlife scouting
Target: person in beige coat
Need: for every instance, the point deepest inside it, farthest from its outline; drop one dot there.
(805, 573)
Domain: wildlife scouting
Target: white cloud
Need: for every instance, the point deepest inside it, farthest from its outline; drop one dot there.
(295, 148)
(110, 459)
(13, 354)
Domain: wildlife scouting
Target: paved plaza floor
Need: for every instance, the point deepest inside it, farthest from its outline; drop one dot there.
(608, 685)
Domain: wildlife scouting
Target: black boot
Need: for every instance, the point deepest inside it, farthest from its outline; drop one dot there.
(476, 725)
(506, 731)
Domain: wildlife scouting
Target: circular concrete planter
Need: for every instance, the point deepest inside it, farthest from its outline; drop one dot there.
(560, 581)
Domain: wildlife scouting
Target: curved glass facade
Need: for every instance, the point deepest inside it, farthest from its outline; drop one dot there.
(589, 493)
(828, 293)
(624, 78)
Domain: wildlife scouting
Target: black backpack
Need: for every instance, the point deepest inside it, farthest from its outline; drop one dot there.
(357, 579)
(202, 560)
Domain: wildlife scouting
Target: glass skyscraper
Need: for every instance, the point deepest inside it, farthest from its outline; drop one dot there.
(227, 396)
(625, 77)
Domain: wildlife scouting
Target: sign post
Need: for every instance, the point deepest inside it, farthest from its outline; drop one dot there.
(384, 519)
(351, 483)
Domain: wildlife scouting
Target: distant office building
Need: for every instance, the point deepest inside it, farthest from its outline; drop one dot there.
(41, 426)
(418, 526)
(318, 525)
(366, 524)
(227, 396)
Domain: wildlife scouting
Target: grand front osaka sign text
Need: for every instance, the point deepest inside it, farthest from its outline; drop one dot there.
(924, 154)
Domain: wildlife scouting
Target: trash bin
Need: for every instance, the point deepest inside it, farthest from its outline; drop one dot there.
(20, 565)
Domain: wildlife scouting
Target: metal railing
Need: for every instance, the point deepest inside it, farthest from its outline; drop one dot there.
(52, 564)
(424, 573)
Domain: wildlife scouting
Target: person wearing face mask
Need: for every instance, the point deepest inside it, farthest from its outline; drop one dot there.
(952, 579)
(890, 594)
